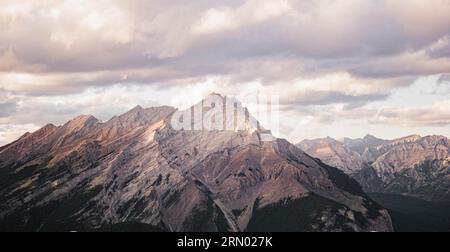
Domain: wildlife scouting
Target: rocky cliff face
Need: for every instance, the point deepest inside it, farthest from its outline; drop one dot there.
(414, 166)
(334, 153)
(137, 169)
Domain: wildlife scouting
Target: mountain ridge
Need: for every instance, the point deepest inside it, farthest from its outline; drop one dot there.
(136, 168)
(411, 165)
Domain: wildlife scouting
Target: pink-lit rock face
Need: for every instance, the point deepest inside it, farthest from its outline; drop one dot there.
(413, 165)
(137, 168)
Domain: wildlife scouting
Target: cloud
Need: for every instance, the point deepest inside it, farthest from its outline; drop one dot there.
(329, 97)
(251, 12)
(437, 115)
(11, 132)
(440, 49)
(341, 55)
(7, 108)
(444, 80)
(73, 36)
(409, 64)
(101, 102)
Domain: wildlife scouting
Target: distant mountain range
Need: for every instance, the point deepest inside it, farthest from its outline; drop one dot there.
(136, 171)
(412, 166)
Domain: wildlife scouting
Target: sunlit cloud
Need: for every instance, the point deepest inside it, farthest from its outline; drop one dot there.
(333, 64)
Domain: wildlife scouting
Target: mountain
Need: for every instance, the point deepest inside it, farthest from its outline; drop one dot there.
(412, 166)
(334, 152)
(136, 171)
(367, 147)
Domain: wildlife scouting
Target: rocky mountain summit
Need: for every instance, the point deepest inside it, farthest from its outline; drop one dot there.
(413, 165)
(138, 170)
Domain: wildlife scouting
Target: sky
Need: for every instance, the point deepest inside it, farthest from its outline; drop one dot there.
(339, 68)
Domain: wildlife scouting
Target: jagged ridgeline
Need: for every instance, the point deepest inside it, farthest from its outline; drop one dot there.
(413, 166)
(136, 172)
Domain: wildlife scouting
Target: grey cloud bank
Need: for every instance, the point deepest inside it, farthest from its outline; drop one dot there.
(342, 57)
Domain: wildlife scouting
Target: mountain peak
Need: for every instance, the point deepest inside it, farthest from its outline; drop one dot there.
(138, 117)
(137, 108)
(134, 111)
(80, 122)
(49, 126)
(82, 119)
(416, 136)
(210, 100)
(136, 158)
(410, 138)
(139, 111)
(213, 113)
(40, 132)
(370, 137)
(212, 94)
